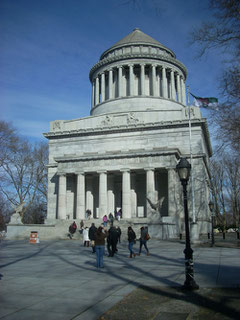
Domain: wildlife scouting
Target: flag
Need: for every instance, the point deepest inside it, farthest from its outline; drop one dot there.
(205, 102)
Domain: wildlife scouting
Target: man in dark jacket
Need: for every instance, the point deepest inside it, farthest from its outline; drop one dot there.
(91, 235)
(119, 234)
(112, 240)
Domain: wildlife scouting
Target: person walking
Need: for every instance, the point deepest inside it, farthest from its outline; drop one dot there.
(112, 240)
(143, 240)
(131, 241)
(100, 236)
(119, 234)
(72, 229)
(81, 226)
(91, 235)
(105, 219)
(85, 237)
(119, 214)
(110, 217)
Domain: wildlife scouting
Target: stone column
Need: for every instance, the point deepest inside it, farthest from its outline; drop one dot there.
(126, 194)
(103, 87)
(102, 193)
(178, 88)
(110, 194)
(62, 196)
(150, 184)
(93, 93)
(120, 81)
(110, 83)
(89, 193)
(142, 79)
(164, 83)
(172, 183)
(173, 90)
(97, 91)
(131, 83)
(183, 91)
(81, 196)
(154, 80)
(133, 196)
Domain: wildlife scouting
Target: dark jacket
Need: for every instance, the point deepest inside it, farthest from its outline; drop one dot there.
(113, 235)
(100, 238)
(72, 228)
(119, 231)
(91, 232)
(144, 233)
(131, 236)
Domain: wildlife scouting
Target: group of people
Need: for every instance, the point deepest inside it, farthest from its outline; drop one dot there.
(110, 218)
(98, 236)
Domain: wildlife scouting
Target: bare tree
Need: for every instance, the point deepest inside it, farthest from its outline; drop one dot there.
(225, 188)
(23, 174)
(218, 194)
(8, 140)
(232, 171)
(223, 32)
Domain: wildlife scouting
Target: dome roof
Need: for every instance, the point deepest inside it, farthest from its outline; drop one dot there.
(137, 37)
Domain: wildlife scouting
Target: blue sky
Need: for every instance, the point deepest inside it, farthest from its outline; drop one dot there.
(48, 48)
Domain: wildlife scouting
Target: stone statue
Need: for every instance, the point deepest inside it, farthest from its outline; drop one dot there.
(156, 206)
(16, 218)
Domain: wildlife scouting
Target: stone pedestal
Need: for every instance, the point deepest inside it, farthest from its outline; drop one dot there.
(194, 232)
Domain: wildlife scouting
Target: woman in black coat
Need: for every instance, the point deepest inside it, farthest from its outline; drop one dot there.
(131, 241)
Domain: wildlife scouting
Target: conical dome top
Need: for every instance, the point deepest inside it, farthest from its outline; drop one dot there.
(137, 37)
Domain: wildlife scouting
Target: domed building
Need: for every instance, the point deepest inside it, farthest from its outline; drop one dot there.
(124, 155)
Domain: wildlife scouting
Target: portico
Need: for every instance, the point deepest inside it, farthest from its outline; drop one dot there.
(106, 191)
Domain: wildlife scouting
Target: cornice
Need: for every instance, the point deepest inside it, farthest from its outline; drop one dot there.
(123, 128)
(128, 56)
(119, 155)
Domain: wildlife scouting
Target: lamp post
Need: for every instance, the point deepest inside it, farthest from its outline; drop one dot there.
(183, 169)
(211, 207)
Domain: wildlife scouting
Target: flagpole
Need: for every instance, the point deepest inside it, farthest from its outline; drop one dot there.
(191, 158)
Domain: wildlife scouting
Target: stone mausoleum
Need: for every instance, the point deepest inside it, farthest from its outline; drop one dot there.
(127, 149)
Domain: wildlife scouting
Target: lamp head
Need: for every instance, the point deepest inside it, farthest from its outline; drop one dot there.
(183, 168)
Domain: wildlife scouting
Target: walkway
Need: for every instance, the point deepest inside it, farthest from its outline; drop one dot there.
(58, 280)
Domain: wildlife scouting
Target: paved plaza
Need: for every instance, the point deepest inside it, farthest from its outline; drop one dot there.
(59, 280)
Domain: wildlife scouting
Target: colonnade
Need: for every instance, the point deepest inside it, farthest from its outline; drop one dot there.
(138, 80)
(106, 195)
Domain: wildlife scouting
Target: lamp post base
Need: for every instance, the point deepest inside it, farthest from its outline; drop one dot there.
(190, 285)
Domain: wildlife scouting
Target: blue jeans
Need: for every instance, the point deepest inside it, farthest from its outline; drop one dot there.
(130, 247)
(100, 253)
(143, 242)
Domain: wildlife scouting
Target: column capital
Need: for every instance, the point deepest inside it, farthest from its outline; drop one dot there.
(102, 171)
(149, 169)
(79, 172)
(60, 173)
(125, 170)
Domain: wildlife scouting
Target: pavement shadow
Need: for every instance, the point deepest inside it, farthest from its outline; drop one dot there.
(196, 298)
(25, 257)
